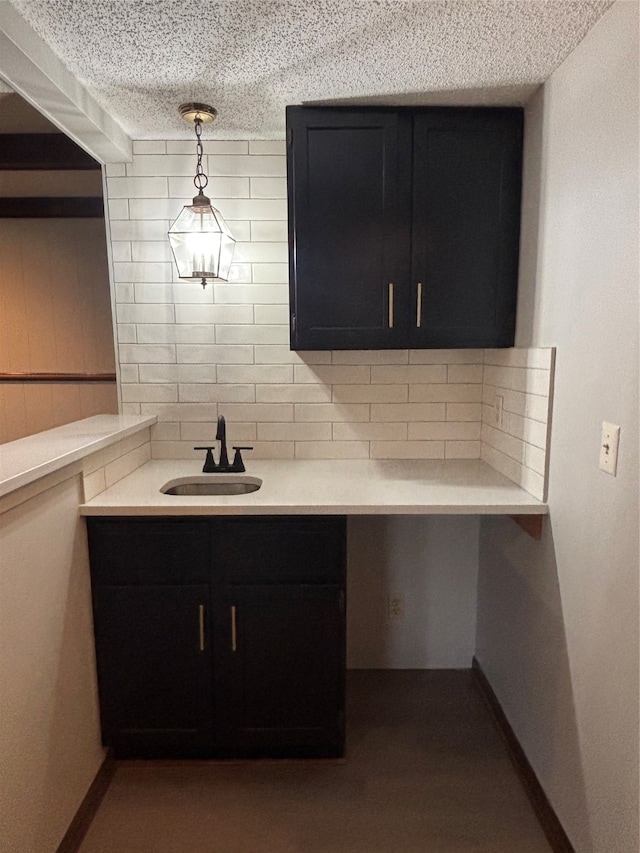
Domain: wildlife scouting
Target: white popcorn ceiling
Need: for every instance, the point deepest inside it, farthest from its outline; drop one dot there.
(249, 58)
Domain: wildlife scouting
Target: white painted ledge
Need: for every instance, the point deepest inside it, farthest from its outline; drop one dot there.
(30, 458)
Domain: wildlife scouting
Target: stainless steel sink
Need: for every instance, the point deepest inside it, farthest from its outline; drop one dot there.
(212, 484)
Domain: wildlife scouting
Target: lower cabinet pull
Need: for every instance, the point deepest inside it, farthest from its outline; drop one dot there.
(233, 629)
(419, 306)
(390, 305)
(201, 625)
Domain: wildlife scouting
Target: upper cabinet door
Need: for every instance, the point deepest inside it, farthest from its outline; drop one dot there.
(466, 220)
(349, 212)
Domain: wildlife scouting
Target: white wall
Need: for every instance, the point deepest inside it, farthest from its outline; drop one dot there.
(558, 620)
(432, 563)
(50, 746)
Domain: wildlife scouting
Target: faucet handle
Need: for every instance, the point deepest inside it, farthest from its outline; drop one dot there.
(209, 462)
(238, 464)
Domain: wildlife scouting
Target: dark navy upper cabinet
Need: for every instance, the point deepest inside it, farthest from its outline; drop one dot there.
(404, 227)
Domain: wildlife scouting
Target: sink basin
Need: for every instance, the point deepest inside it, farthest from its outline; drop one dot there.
(212, 484)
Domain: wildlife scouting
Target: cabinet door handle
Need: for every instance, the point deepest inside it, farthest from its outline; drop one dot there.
(419, 306)
(201, 625)
(234, 644)
(391, 305)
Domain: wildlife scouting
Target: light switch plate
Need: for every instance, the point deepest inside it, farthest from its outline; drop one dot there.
(609, 447)
(498, 410)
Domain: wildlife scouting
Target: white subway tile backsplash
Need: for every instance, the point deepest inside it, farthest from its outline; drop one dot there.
(331, 412)
(164, 164)
(332, 374)
(126, 333)
(387, 356)
(445, 393)
(154, 292)
(149, 272)
(252, 334)
(370, 393)
(195, 334)
(188, 354)
(354, 431)
(270, 273)
(260, 412)
(214, 314)
(137, 187)
(153, 208)
(464, 412)
(407, 450)
(149, 146)
(129, 373)
(118, 208)
(263, 253)
(293, 394)
(270, 232)
(462, 449)
(135, 313)
(139, 229)
(332, 450)
(409, 373)
(115, 170)
(271, 314)
(268, 187)
(214, 354)
(294, 432)
(277, 374)
(124, 293)
(147, 353)
(206, 431)
(464, 373)
(252, 208)
(163, 373)
(165, 432)
(268, 146)
(211, 393)
(239, 273)
(408, 412)
(281, 354)
(153, 393)
(120, 251)
(259, 294)
(445, 356)
(155, 333)
(150, 251)
(182, 189)
(502, 441)
(445, 431)
(534, 458)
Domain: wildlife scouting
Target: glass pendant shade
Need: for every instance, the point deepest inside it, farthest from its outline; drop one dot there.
(201, 243)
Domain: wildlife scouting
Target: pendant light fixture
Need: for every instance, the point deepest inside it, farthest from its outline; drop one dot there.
(201, 242)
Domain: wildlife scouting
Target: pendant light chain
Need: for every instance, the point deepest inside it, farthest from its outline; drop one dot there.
(200, 180)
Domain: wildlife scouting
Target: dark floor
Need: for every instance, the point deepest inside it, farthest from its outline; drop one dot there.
(426, 772)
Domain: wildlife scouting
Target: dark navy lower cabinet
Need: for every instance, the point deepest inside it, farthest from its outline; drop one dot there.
(220, 637)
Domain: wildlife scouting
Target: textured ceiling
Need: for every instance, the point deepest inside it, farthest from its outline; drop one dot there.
(249, 58)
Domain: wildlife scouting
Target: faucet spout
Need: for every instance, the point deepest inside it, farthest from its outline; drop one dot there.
(221, 436)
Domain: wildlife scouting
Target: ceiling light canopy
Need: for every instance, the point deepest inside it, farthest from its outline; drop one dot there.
(200, 239)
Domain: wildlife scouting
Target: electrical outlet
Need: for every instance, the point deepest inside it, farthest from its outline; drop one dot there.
(395, 606)
(609, 448)
(498, 410)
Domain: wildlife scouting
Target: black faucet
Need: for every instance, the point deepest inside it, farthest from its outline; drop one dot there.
(223, 466)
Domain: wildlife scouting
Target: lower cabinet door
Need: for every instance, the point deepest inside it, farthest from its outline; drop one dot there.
(279, 671)
(154, 669)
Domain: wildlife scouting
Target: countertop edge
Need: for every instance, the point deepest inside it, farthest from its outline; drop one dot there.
(28, 455)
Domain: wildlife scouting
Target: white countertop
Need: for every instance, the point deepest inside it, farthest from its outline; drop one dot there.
(27, 459)
(358, 487)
